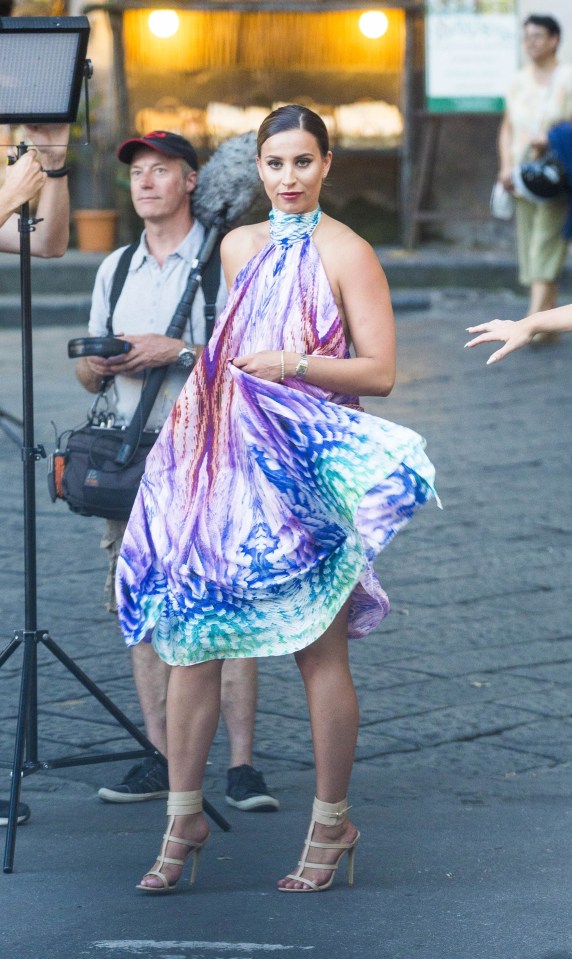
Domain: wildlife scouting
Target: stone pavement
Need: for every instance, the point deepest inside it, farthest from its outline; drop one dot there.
(462, 783)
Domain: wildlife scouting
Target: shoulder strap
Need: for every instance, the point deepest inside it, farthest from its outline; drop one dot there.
(204, 270)
(119, 277)
(210, 283)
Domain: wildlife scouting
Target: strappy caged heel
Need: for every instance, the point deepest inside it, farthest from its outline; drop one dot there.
(178, 804)
(327, 814)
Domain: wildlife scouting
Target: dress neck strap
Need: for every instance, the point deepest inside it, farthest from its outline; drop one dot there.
(289, 228)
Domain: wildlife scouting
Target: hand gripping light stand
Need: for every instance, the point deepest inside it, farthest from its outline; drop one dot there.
(48, 93)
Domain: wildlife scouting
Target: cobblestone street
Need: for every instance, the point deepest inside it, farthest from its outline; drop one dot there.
(464, 771)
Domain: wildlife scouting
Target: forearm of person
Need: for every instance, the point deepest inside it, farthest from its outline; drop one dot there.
(516, 334)
(362, 375)
(5, 214)
(22, 181)
(505, 148)
(558, 320)
(51, 236)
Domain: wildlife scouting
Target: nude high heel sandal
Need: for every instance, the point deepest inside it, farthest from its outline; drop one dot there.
(328, 814)
(178, 804)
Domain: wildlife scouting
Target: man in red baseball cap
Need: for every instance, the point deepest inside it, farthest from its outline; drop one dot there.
(169, 144)
(163, 174)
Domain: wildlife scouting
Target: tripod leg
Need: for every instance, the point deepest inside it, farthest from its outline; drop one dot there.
(215, 815)
(98, 693)
(121, 718)
(10, 648)
(18, 765)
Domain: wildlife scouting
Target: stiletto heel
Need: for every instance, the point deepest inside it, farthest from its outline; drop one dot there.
(178, 804)
(327, 814)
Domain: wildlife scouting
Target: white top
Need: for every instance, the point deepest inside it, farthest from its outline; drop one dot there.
(534, 107)
(146, 304)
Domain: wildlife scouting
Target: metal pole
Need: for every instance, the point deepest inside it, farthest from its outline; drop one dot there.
(407, 109)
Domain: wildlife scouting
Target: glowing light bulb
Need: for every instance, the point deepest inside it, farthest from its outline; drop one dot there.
(163, 23)
(373, 24)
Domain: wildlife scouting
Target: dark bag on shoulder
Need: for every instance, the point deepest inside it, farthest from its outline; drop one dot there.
(90, 469)
(82, 470)
(84, 473)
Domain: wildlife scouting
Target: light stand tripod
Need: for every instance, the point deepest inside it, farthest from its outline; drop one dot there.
(26, 758)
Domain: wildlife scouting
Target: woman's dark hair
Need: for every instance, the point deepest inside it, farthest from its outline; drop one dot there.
(293, 117)
(549, 24)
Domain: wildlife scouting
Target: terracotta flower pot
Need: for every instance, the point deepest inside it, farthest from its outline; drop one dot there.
(96, 229)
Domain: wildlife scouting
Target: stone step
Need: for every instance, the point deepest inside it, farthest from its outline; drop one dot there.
(48, 309)
(61, 289)
(431, 269)
(53, 309)
(72, 273)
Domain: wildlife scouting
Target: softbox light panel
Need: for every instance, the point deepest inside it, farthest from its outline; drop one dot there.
(42, 61)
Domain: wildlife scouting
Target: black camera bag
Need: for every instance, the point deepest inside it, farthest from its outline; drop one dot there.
(92, 483)
(85, 472)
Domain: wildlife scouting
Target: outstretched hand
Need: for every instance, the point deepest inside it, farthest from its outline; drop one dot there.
(514, 334)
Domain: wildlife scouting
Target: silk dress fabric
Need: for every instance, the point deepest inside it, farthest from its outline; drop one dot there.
(264, 504)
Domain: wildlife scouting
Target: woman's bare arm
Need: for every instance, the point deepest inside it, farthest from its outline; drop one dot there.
(360, 285)
(518, 333)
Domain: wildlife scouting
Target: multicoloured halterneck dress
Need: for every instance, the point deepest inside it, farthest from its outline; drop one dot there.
(264, 504)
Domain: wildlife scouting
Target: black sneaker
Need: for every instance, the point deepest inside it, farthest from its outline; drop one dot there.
(247, 790)
(24, 812)
(146, 780)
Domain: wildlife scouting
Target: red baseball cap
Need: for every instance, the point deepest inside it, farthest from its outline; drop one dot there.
(169, 144)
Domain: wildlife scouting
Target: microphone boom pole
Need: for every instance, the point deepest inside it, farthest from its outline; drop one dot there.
(227, 186)
(175, 329)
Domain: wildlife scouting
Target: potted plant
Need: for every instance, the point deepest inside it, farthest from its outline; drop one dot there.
(95, 215)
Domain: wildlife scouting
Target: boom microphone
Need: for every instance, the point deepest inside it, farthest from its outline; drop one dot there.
(228, 184)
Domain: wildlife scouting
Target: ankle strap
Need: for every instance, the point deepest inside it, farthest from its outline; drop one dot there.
(185, 804)
(330, 813)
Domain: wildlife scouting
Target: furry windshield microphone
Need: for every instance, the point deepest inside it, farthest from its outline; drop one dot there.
(228, 183)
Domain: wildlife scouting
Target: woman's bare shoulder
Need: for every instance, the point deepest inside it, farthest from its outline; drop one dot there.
(251, 237)
(240, 245)
(341, 246)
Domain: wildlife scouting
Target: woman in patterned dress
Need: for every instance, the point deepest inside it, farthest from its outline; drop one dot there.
(269, 492)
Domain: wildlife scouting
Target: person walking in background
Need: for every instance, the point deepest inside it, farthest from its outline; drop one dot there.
(163, 172)
(269, 492)
(539, 97)
(22, 182)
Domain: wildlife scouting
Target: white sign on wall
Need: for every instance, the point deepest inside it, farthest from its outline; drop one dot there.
(470, 54)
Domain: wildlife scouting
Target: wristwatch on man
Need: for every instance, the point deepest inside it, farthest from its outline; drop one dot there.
(187, 358)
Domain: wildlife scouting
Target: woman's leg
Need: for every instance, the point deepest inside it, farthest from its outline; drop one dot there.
(333, 709)
(193, 707)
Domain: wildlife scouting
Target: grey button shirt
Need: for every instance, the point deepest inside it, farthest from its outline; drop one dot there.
(146, 305)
